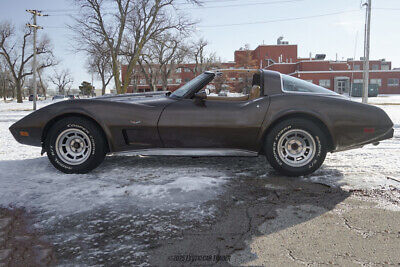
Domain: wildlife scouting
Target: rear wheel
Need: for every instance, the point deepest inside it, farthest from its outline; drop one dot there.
(75, 145)
(296, 147)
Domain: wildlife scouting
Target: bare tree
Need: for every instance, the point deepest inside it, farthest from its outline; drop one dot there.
(171, 51)
(149, 69)
(202, 60)
(160, 58)
(99, 63)
(126, 31)
(17, 54)
(62, 79)
(4, 80)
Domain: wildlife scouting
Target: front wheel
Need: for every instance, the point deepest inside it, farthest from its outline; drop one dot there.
(296, 147)
(75, 145)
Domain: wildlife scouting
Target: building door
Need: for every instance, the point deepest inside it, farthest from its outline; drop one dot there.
(342, 85)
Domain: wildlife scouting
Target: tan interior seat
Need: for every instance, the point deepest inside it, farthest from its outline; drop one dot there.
(255, 92)
(226, 98)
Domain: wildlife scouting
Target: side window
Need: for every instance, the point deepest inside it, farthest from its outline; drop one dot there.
(234, 86)
(291, 84)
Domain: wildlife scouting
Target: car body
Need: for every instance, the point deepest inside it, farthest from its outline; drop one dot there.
(188, 122)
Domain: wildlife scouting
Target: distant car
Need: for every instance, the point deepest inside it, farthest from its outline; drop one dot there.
(72, 96)
(292, 122)
(58, 97)
(31, 97)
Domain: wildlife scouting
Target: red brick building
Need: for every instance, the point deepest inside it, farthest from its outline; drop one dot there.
(334, 75)
(283, 57)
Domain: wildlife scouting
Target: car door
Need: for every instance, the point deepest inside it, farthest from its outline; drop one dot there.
(190, 123)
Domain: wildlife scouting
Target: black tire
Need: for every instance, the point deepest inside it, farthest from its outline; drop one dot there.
(280, 135)
(92, 136)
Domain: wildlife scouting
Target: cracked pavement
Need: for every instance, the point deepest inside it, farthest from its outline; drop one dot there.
(283, 221)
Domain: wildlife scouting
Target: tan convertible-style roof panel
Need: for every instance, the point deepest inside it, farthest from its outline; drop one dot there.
(237, 70)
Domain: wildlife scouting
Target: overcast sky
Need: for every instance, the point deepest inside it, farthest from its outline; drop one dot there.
(317, 26)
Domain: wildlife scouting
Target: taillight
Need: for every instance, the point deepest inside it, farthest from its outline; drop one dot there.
(369, 130)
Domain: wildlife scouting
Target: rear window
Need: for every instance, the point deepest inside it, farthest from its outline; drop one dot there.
(292, 84)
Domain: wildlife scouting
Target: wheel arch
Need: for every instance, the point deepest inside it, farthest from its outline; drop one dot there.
(302, 115)
(51, 122)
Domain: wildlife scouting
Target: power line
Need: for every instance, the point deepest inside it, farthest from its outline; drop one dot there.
(279, 20)
(267, 21)
(199, 7)
(249, 4)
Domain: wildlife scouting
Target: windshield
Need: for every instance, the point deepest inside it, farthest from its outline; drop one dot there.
(292, 84)
(181, 92)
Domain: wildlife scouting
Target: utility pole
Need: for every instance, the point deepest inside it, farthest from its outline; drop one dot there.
(35, 27)
(366, 51)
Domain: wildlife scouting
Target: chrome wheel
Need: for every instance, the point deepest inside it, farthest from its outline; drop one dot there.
(73, 146)
(296, 148)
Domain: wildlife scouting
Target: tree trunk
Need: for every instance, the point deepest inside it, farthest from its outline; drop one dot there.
(103, 85)
(19, 91)
(116, 73)
(4, 90)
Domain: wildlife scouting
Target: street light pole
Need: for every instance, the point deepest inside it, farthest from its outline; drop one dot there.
(366, 52)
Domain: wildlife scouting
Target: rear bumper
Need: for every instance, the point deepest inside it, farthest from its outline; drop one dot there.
(387, 135)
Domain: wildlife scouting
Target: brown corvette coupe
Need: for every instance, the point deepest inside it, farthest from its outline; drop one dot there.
(292, 122)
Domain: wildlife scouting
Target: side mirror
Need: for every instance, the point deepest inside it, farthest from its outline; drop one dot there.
(202, 95)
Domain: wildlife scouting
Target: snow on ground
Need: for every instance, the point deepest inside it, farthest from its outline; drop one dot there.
(381, 99)
(121, 208)
(150, 197)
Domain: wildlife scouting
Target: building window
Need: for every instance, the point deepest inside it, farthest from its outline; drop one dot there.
(187, 70)
(240, 79)
(325, 83)
(358, 81)
(376, 81)
(179, 81)
(393, 82)
(357, 67)
(232, 79)
(169, 81)
(385, 67)
(187, 80)
(142, 81)
(178, 70)
(375, 67)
